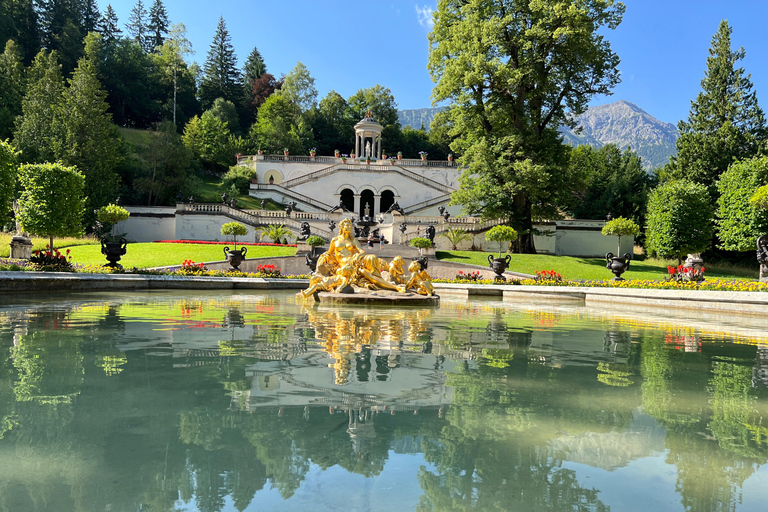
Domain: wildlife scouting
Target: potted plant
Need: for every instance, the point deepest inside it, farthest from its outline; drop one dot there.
(313, 152)
(344, 158)
(234, 257)
(421, 243)
(392, 162)
(113, 246)
(450, 157)
(259, 152)
(383, 155)
(285, 151)
(423, 155)
(399, 155)
(619, 227)
(336, 153)
(500, 234)
(368, 160)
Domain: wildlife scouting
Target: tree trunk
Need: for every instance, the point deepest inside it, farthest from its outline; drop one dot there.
(523, 219)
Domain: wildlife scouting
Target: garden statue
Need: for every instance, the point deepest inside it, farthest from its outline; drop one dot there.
(346, 268)
(331, 225)
(396, 208)
(263, 204)
(290, 207)
(179, 197)
(368, 149)
(191, 200)
(305, 231)
(762, 257)
(446, 216)
(441, 210)
(403, 227)
(21, 243)
(233, 203)
(339, 206)
(420, 280)
(224, 198)
(430, 233)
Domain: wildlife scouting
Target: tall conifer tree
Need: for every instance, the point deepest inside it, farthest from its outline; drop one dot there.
(12, 87)
(108, 26)
(158, 24)
(725, 122)
(34, 131)
(221, 79)
(137, 25)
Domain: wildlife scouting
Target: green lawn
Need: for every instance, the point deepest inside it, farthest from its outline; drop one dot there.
(209, 190)
(161, 255)
(590, 268)
(39, 243)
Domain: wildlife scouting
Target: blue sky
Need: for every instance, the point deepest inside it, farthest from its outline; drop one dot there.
(351, 44)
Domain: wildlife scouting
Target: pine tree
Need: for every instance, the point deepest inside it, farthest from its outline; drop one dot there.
(725, 122)
(108, 26)
(158, 24)
(61, 30)
(12, 87)
(137, 25)
(220, 75)
(89, 16)
(35, 130)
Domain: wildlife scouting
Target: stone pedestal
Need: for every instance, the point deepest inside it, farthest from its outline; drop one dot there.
(302, 247)
(21, 248)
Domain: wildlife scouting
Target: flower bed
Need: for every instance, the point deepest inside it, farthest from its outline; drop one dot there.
(721, 285)
(205, 242)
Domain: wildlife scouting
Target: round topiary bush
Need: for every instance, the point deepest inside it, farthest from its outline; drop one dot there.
(501, 234)
(620, 227)
(234, 229)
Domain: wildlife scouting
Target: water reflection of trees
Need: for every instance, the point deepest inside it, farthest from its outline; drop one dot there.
(145, 445)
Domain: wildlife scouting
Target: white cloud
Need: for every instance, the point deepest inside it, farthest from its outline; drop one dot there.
(424, 15)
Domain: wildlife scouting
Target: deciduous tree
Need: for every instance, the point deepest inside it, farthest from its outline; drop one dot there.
(52, 202)
(514, 71)
(680, 219)
(299, 88)
(739, 221)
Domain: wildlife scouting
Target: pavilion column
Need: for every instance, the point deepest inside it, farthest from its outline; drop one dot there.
(376, 205)
(357, 144)
(357, 204)
(378, 148)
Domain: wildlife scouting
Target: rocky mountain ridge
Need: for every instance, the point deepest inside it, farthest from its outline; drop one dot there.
(621, 123)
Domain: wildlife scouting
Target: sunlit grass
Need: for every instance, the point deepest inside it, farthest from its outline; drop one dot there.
(591, 268)
(149, 255)
(39, 243)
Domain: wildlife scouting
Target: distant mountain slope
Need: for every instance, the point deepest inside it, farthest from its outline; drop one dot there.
(418, 117)
(621, 123)
(625, 124)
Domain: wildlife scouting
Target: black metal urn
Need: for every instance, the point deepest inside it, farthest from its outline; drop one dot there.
(499, 265)
(617, 264)
(235, 257)
(113, 251)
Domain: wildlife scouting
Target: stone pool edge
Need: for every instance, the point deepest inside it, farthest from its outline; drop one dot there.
(752, 303)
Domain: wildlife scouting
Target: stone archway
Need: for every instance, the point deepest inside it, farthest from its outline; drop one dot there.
(366, 198)
(347, 196)
(387, 200)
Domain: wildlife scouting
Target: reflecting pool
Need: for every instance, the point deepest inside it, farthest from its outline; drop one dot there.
(219, 401)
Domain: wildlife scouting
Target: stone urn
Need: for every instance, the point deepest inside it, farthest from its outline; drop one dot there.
(113, 251)
(499, 265)
(235, 257)
(617, 264)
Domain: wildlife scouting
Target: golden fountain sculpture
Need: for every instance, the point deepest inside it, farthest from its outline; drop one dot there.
(346, 269)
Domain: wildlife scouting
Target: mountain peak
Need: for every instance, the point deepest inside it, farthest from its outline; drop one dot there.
(626, 125)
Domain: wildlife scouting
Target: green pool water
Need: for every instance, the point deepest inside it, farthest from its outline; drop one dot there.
(219, 401)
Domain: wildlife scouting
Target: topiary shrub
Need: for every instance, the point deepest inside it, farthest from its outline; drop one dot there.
(740, 220)
(110, 215)
(620, 227)
(501, 234)
(421, 243)
(234, 229)
(315, 241)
